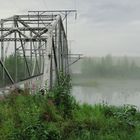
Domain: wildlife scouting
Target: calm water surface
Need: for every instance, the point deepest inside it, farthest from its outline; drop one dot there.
(112, 92)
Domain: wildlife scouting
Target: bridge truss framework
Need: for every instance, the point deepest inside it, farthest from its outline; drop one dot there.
(34, 49)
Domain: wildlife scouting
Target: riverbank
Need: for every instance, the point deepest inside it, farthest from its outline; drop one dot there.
(57, 116)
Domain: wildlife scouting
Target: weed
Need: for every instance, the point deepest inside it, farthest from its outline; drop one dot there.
(57, 116)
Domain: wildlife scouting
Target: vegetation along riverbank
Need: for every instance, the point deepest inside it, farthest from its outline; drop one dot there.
(57, 116)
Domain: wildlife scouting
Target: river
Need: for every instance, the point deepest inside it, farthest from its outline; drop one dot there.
(112, 92)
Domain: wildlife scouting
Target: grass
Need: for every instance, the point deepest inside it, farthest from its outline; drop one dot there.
(106, 122)
(57, 116)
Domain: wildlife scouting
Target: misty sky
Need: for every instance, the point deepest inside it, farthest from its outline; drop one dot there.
(102, 26)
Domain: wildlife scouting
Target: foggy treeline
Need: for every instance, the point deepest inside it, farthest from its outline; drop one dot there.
(109, 67)
(11, 67)
(16, 68)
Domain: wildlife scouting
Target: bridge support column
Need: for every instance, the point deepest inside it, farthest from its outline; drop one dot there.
(46, 81)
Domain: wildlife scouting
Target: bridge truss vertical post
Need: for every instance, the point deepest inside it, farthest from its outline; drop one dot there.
(2, 56)
(46, 81)
(16, 66)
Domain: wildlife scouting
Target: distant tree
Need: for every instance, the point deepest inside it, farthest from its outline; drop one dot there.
(16, 68)
(105, 67)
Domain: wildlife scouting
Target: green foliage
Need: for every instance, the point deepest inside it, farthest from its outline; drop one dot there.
(103, 122)
(62, 98)
(25, 116)
(57, 116)
(17, 69)
(10, 64)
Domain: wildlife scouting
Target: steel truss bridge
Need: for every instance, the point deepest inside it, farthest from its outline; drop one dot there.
(33, 50)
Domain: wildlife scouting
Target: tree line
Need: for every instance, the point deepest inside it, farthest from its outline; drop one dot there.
(17, 69)
(106, 67)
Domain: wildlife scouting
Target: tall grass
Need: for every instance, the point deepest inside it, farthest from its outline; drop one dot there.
(57, 116)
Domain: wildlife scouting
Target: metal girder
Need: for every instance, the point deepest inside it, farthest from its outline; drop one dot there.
(23, 29)
(21, 33)
(34, 16)
(23, 39)
(52, 11)
(36, 34)
(35, 51)
(12, 31)
(7, 73)
(32, 77)
(29, 20)
(40, 23)
(47, 43)
(26, 25)
(7, 33)
(4, 20)
(55, 60)
(22, 45)
(29, 16)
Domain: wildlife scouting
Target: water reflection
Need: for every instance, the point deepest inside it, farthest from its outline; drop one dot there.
(111, 92)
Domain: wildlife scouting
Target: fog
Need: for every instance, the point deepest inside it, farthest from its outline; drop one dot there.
(102, 27)
(109, 79)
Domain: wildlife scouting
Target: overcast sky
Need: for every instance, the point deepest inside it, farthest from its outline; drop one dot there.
(102, 26)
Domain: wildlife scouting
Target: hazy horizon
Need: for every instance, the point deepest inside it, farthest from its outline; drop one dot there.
(102, 27)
